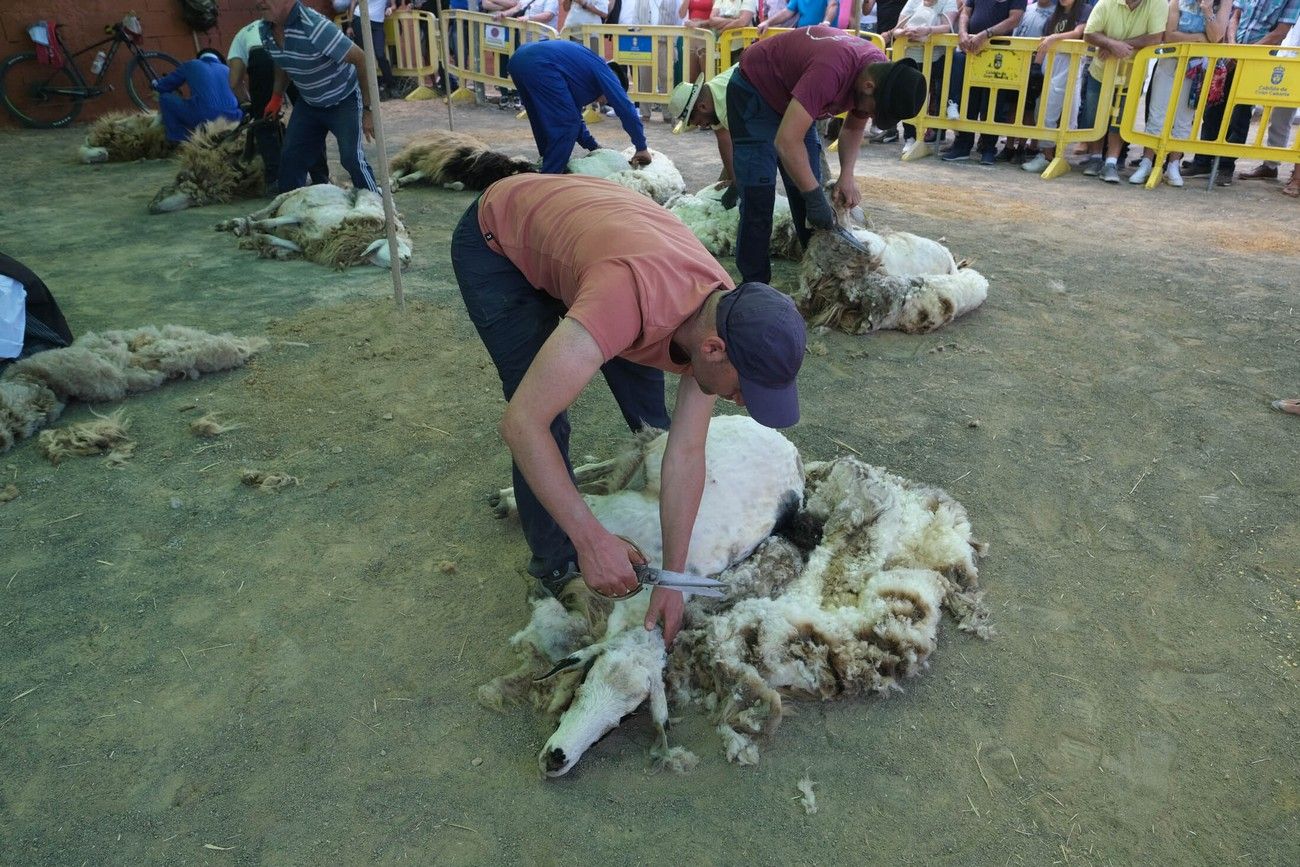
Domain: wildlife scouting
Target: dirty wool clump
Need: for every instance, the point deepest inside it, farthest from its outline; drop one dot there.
(903, 282)
(218, 164)
(268, 481)
(324, 224)
(108, 366)
(844, 600)
(210, 426)
(124, 136)
(104, 435)
(455, 160)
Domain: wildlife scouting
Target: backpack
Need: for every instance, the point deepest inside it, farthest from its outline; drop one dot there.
(200, 15)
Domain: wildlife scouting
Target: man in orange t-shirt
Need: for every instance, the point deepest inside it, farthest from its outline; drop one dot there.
(564, 276)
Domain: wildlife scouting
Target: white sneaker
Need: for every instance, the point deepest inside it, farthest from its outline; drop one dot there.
(1037, 165)
(1143, 172)
(1173, 175)
(954, 110)
(908, 145)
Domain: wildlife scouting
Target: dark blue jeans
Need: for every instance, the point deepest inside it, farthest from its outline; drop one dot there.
(514, 319)
(381, 50)
(304, 142)
(753, 141)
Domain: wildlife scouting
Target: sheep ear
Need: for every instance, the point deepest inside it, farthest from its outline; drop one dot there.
(585, 658)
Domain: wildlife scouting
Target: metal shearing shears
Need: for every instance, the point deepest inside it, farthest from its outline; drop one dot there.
(683, 582)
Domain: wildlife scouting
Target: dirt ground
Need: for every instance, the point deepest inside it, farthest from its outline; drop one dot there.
(192, 671)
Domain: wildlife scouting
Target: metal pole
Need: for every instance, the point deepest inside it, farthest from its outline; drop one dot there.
(371, 84)
(446, 63)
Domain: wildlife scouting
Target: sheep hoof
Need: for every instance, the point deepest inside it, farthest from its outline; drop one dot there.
(503, 502)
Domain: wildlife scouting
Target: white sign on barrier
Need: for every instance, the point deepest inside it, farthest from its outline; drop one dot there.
(495, 36)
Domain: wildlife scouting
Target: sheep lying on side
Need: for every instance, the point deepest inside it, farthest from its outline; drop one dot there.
(455, 160)
(604, 667)
(906, 282)
(660, 180)
(218, 164)
(717, 227)
(844, 602)
(109, 366)
(124, 136)
(324, 223)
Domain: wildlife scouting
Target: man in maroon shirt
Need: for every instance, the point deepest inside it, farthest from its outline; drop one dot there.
(784, 83)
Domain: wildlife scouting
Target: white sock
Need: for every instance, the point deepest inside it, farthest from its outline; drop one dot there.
(1112, 161)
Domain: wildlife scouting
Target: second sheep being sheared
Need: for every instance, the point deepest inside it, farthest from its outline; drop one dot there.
(905, 282)
(455, 160)
(217, 164)
(845, 600)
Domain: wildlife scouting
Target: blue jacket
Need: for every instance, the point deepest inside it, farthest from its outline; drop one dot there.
(209, 82)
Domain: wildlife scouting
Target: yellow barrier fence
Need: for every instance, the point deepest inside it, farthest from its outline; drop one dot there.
(655, 55)
(1262, 75)
(1002, 70)
(478, 47)
(414, 46)
(732, 42)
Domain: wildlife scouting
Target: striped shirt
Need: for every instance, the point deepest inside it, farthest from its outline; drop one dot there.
(313, 55)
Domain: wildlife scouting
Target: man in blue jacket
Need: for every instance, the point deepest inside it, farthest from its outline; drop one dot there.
(555, 80)
(210, 95)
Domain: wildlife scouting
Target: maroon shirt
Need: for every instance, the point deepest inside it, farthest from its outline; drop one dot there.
(817, 66)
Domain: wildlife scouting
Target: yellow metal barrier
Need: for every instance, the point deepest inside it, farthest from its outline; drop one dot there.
(1003, 67)
(482, 45)
(649, 52)
(1265, 75)
(414, 44)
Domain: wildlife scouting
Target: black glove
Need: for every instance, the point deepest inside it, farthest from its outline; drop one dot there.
(247, 109)
(817, 210)
(730, 196)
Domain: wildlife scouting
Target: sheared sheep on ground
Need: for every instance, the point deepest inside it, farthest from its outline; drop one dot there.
(906, 282)
(219, 163)
(125, 136)
(324, 223)
(660, 180)
(845, 601)
(455, 160)
(717, 226)
(109, 366)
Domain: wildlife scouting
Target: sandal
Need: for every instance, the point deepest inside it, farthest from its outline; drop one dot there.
(1290, 405)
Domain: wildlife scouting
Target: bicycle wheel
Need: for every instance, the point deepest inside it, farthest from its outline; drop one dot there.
(144, 68)
(25, 89)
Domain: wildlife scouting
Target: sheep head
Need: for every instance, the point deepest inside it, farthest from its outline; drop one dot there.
(621, 673)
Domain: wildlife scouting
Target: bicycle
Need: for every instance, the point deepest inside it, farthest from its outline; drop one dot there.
(46, 97)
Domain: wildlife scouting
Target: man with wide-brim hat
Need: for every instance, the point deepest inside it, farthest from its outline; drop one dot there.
(565, 276)
(703, 104)
(784, 83)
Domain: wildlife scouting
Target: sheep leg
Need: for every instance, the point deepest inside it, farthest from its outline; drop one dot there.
(272, 223)
(273, 246)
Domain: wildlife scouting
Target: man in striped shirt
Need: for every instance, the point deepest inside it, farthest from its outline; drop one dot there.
(325, 66)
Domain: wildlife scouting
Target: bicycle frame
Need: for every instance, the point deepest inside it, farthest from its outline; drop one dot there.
(85, 89)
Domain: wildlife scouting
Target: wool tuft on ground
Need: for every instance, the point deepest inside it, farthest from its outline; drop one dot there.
(109, 366)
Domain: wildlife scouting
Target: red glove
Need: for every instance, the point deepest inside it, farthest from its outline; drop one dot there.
(273, 105)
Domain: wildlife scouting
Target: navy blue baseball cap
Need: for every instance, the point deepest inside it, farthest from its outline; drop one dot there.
(765, 338)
